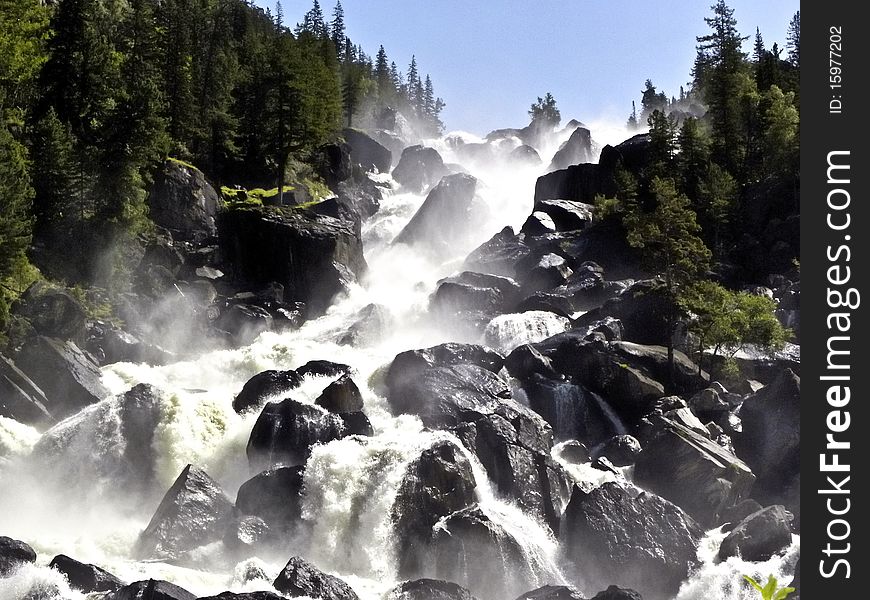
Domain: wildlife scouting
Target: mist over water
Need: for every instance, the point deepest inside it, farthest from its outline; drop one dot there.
(61, 491)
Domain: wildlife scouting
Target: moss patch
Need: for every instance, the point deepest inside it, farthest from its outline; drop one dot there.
(178, 161)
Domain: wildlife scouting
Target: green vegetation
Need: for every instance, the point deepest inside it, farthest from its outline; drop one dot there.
(771, 590)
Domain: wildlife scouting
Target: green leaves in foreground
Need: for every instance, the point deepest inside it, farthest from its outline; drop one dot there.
(771, 590)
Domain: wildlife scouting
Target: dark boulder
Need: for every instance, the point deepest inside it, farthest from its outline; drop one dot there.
(69, 376)
(553, 592)
(437, 484)
(285, 432)
(759, 536)
(52, 311)
(577, 150)
(265, 385)
(543, 272)
(429, 589)
(621, 450)
(366, 152)
(440, 396)
(112, 344)
(565, 214)
(14, 553)
(526, 156)
(452, 298)
(194, 512)
(770, 440)
(244, 322)
(642, 309)
(419, 167)
(448, 217)
(184, 202)
(635, 539)
(275, 496)
(333, 163)
(247, 535)
(356, 423)
(617, 593)
(314, 257)
(84, 577)
(692, 471)
(152, 589)
(341, 396)
(301, 578)
(538, 223)
(323, 368)
(498, 255)
(262, 595)
(20, 398)
(525, 361)
(407, 365)
(732, 515)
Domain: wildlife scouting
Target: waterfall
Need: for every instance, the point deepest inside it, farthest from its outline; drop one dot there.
(506, 332)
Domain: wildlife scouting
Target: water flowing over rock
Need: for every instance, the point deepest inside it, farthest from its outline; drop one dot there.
(429, 589)
(194, 512)
(366, 152)
(507, 331)
(107, 444)
(635, 539)
(14, 553)
(264, 385)
(300, 578)
(69, 376)
(692, 471)
(447, 217)
(759, 536)
(314, 257)
(85, 577)
(437, 484)
(275, 496)
(184, 202)
(151, 590)
(286, 430)
(20, 398)
(419, 167)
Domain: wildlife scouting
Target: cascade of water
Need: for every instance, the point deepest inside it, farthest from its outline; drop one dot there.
(506, 332)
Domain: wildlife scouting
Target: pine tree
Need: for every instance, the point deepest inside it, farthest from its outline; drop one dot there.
(428, 99)
(662, 146)
(279, 16)
(382, 76)
(544, 111)
(176, 21)
(632, 118)
(793, 42)
(314, 23)
(337, 29)
(693, 158)
(413, 82)
(23, 32)
(54, 168)
(758, 50)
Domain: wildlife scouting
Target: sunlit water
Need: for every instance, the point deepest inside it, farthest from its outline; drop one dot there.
(70, 501)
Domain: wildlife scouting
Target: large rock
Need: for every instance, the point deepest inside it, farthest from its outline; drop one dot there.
(429, 589)
(692, 471)
(275, 496)
(300, 578)
(441, 396)
(620, 450)
(553, 592)
(285, 432)
(642, 309)
(759, 536)
(498, 255)
(448, 217)
(85, 577)
(333, 163)
(366, 152)
(437, 484)
(566, 214)
(406, 366)
(264, 385)
(194, 512)
(543, 272)
(184, 202)
(323, 368)
(475, 292)
(770, 440)
(313, 256)
(634, 539)
(69, 376)
(52, 311)
(118, 434)
(526, 156)
(261, 595)
(419, 168)
(14, 553)
(617, 593)
(513, 444)
(341, 396)
(20, 398)
(152, 589)
(578, 149)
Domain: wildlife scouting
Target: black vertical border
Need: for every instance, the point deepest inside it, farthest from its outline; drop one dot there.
(823, 132)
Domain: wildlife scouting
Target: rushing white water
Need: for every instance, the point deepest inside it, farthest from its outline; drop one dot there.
(73, 504)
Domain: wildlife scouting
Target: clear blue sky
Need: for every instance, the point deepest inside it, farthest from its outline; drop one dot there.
(489, 60)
